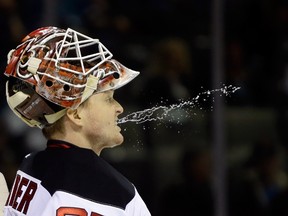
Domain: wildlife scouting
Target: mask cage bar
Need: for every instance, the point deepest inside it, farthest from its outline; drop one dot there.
(78, 42)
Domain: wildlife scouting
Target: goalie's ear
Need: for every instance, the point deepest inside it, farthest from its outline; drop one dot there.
(74, 115)
(3, 193)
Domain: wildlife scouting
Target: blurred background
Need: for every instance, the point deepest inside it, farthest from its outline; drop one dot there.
(224, 156)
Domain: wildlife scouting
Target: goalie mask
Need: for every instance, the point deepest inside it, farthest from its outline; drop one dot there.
(54, 69)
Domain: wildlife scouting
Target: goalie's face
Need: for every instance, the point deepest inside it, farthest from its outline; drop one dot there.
(99, 116)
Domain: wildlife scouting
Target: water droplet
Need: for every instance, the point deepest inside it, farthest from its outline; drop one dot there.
(162, 112)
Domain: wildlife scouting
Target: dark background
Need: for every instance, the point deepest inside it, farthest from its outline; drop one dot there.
(171, 43)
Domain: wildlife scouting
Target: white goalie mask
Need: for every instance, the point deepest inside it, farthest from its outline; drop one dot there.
(59, 67)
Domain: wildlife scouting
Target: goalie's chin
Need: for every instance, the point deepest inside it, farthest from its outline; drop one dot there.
(118, 140)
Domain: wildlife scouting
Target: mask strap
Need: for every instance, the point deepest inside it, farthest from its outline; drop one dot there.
(91, 87)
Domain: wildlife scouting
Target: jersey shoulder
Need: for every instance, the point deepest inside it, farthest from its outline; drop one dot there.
(80, 172)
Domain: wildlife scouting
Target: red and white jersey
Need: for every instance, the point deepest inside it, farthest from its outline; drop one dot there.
(66, 180)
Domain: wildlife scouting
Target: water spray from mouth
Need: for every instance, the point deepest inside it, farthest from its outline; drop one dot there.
(162, 112)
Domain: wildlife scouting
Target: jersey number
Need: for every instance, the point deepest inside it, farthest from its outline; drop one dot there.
(67, 211)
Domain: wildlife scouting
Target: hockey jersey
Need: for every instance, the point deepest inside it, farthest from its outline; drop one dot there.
(67, 180)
